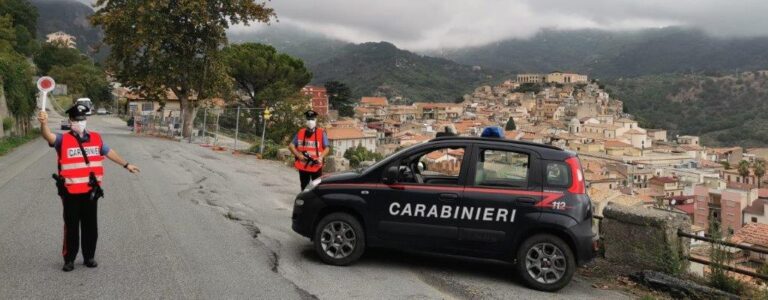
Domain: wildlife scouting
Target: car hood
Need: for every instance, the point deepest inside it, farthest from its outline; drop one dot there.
(340, 177)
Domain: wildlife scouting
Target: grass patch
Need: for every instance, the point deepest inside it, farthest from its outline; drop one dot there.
(9, 143)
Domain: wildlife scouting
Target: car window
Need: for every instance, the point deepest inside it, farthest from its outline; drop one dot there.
(557, 174)
(433, 166)
(501, 168)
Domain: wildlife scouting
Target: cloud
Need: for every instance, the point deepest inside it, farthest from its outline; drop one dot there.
(434, 24)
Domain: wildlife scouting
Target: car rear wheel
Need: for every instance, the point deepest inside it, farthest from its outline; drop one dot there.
(339, 239)
(545, 262)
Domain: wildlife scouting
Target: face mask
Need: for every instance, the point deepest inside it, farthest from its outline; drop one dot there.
(78, 126)
(311, 124)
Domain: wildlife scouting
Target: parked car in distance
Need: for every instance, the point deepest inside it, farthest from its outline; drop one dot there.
(101, 111)
(65, 125)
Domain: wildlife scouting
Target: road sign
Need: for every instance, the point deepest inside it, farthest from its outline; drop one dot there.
(45, 84)
(267, 114)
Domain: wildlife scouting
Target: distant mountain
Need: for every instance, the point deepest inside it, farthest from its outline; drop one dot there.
(383, 69)
(311, 47)
(69, 16)
(730, 109)
(611, 54)
(374, 68)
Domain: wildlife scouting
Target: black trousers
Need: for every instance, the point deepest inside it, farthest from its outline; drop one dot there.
(79, 220)
(306, 177)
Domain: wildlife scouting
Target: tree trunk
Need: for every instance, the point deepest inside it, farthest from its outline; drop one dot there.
(187, 114)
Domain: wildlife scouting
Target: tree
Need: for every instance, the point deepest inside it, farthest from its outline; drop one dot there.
(340, 98)
(359, 154)
(759, 170)
(743, 170)
(55, 55)
(264, 74)
(83, 80)
(169, 44)
(510, 124)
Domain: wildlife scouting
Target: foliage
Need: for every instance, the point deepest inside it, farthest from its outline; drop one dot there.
(359, 154)
(271, 149)
(759, 170)
(24, 19)
(528, 88)
(340, 98)
(510, 124)
(743, 169)
(718, 109)
(55, 55)
(7, 123)
(720, 256)
(173, 44)
(287, 118)
(83, 80)
(19, 90)
(264, 74)
(9, 143)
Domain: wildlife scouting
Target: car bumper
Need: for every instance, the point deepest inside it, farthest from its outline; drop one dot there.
(585, 243)
(304, 216)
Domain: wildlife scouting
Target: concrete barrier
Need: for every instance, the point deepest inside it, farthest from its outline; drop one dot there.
(645, 238)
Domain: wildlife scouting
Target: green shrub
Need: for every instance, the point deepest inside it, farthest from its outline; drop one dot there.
(271, 149)
(8, 123)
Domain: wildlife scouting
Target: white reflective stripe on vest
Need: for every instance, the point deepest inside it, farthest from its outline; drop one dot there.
(81, 165)
(77, 180)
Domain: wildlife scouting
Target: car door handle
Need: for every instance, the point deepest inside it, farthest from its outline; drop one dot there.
(448, 197)
(526, 200)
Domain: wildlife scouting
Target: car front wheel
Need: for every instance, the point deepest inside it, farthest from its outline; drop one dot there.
(339, 239)
(545, 262)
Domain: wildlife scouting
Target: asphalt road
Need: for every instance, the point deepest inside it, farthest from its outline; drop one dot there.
(201, 224)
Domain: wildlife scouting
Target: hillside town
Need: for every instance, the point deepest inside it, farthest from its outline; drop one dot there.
(623, 162)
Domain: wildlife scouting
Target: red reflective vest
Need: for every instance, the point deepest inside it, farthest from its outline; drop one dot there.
(72, 165)
(313, 145)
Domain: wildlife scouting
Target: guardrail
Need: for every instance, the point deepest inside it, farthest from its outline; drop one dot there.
(681, 233)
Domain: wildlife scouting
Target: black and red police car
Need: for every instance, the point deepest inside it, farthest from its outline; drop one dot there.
(483, 197)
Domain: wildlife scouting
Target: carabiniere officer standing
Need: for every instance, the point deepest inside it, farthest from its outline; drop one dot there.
(78, 180)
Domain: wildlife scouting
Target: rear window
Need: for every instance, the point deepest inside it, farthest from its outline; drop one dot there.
(557, 174)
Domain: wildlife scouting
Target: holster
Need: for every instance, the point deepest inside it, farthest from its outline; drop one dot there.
(62, 190)
(96, 190)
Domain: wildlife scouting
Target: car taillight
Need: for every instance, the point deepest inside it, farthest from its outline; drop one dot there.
(577, 178)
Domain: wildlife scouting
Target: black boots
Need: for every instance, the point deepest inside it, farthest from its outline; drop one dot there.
(91, 263)
(68, 266)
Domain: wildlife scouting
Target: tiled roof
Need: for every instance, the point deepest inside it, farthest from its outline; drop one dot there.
(374, 101)
(344, 133)
(752, 233)
(616, 144)
(663, 180)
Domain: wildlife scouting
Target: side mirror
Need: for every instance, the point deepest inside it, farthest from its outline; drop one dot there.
(390, 176)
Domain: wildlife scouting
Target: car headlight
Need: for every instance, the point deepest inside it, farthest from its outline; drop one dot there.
(312, 185)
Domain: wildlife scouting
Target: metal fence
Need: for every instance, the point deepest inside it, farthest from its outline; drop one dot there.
(734, 269)
(236, 129)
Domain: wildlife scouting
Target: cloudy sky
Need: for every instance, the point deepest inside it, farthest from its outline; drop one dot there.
(431, 24)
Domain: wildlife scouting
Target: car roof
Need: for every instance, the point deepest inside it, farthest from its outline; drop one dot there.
(547, 151)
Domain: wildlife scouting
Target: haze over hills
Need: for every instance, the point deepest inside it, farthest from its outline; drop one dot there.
(608, 54)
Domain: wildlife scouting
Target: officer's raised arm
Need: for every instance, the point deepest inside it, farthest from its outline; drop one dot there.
(45, 132)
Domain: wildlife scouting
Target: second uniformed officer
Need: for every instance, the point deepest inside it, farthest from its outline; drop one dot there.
(80, 171)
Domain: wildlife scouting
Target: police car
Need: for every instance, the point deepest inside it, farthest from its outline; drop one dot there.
(483, 197)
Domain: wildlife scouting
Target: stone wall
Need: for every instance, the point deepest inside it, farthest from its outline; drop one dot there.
(645, 238)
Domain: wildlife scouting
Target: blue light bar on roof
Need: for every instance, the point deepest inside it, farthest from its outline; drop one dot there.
(493, 132)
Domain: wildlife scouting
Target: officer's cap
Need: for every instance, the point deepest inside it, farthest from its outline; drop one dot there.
(310, 114)
(77, 112)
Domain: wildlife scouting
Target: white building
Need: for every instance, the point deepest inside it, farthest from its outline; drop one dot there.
(342, 139)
